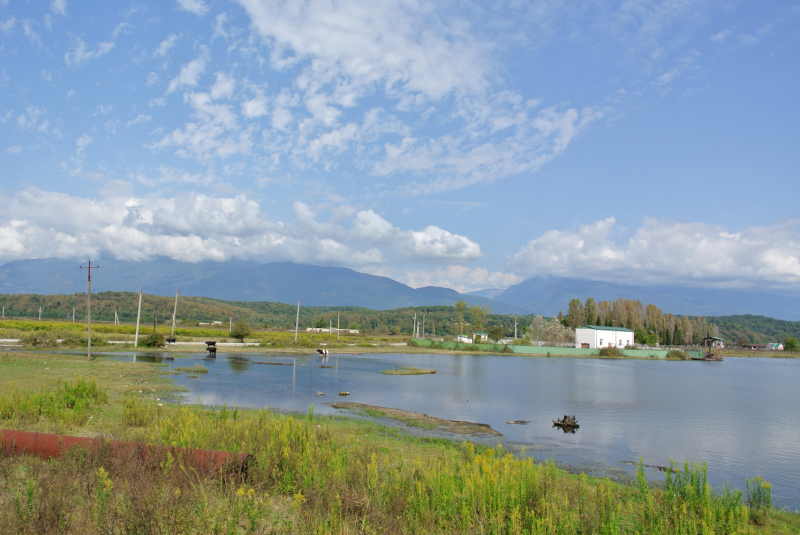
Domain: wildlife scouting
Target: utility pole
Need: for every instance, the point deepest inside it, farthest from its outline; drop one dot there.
(174, 313)
(515, 327)
(330, 326)
(230, 319)
(89, 306)
(414, 330)
(423, 325)
(73, 313)
(297, 321)
(314, 324)
(337, 325)
(40, 313)
(138, 317)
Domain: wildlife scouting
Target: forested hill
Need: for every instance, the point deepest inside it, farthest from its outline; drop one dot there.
(192, 310)
(755, 329)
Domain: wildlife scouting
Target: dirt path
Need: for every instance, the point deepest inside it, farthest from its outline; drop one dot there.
(421, 420)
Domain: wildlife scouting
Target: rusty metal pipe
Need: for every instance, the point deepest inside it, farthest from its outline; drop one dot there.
(47, 446)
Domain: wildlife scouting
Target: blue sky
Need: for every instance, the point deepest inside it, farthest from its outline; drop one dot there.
(459, 144)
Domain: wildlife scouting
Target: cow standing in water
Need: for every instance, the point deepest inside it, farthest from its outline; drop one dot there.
(324, 353)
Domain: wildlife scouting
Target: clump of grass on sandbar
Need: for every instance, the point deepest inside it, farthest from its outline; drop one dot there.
(409, 371)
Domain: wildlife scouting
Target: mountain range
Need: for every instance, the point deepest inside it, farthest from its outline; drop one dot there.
(279, 282)
(286, 282)
(549, 295)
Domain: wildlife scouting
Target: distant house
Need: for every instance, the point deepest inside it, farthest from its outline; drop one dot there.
(775, 346)
(463, 339)
(480, 336)
(596, 336)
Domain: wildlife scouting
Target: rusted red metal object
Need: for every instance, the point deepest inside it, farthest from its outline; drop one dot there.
(48, 446)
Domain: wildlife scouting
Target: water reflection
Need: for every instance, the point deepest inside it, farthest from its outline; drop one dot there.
(739, 416)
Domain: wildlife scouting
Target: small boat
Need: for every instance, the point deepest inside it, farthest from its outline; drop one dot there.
(345, 393)
(567, 421)
(320, 393)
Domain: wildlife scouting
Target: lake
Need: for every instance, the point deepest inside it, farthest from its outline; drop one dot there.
(741, 416)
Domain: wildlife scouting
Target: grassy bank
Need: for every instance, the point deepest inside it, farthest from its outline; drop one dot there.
(310, 474)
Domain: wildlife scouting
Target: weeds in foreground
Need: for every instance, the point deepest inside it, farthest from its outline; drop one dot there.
(308, 477)
(72, 402)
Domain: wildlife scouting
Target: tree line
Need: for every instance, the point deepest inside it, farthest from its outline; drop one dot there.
(649, 323)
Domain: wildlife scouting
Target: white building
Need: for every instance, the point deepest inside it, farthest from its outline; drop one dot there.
(596, 336)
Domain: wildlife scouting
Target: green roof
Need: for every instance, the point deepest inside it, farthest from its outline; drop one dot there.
(602, 328)
(479, 332)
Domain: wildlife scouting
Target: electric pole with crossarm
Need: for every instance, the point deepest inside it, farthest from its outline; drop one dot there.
(89, 307)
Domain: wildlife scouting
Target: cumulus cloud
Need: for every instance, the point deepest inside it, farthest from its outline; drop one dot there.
(223, 87)
(665, 251)
(195, 227)
(460, 278)
(214, 134)
(81, 143)
(8, 24)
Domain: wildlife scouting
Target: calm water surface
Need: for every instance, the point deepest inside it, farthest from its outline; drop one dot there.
(741, 416)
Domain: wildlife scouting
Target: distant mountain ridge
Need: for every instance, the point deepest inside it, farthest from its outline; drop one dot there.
(549, 295)
(280, 282)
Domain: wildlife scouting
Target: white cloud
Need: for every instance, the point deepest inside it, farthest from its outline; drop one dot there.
(14, 149)
(189, 75)
(749, 40)
(141, 118)
(460, 278)
(255, 107)
(223, 87)
(152, 79)
(82, 142)
(721, 36)
(665, 251)
(8, 25)
(165, 45)
(188, 226)
(214, 134)
(80, 53)
(59, 7)
(121, 29)
(34, 119)
(198, 7)
(34, 38)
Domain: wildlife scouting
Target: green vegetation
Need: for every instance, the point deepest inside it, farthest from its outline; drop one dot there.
(790, 344)
(72, 402)
(240, 330)
(195, 370)
(610, 352)
(409, 371)
(328, 475)
(154, 340)
(678, 354)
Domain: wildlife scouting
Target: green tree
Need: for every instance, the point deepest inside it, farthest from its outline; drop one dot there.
(478, 314)
(240, 329)
(321, 323)
(461, 307)
(575, 313)
(496, 333)
(790, 344)
(590, 311)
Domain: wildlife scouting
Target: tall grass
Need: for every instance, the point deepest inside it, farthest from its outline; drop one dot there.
(72, 402)
(310, 477)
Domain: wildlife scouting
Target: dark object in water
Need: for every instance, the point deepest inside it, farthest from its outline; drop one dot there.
(211, 347)
(518, 422)
(569, 422)
(323, 352)
(344, 393)
(709, 358)
(326, 366)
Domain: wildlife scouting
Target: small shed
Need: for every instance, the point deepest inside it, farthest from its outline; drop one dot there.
(597, 336)
(479, 336)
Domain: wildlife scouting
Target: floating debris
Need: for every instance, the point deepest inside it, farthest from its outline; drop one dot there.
(345, 393)
(566, 421)
(518, 422)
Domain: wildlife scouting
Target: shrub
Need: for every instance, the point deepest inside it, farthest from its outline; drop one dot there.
(154, 340)
(610, 352)
(678, 354)
(240, 330)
